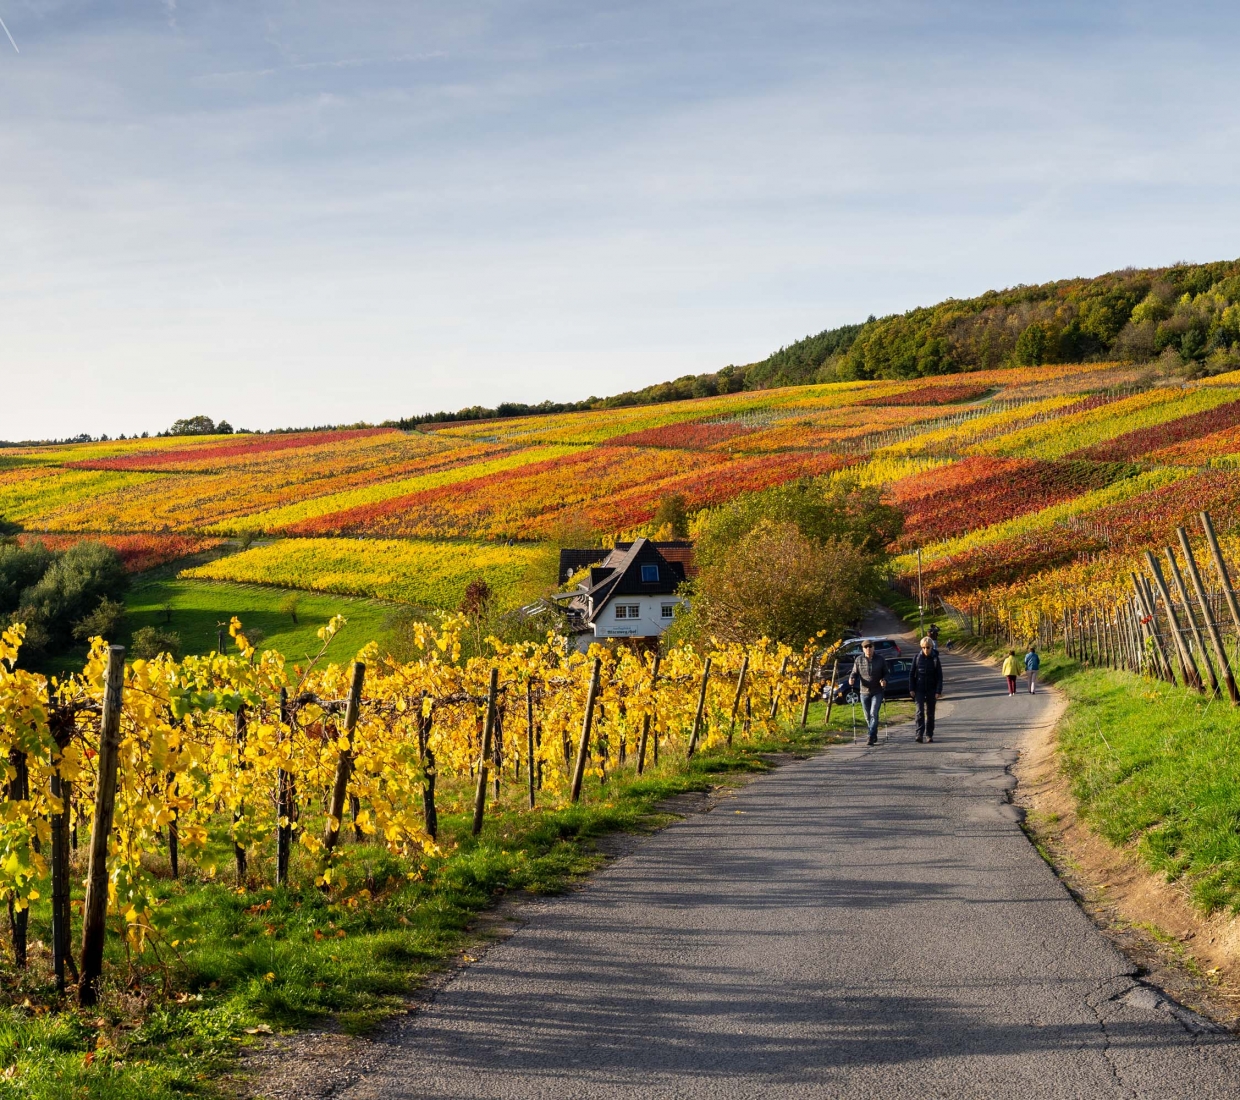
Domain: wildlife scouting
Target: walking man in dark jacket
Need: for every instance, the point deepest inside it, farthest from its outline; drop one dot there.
(869, 675)
(926, 686)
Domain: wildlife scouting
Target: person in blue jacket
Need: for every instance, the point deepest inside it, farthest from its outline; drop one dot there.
(925, 685)
(1032, 663)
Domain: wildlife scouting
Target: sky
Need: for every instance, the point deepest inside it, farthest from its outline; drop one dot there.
(295, 212)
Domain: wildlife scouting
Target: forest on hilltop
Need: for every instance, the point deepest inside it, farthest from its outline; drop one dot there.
(1187, 316)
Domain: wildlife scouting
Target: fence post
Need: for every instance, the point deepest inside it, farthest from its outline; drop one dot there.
(1150, 627)
(284, 800)
(1192, 677)
(809, 689)
(95, 907)
(736, 702)
(647, 720)
(1182, 591)
(239, 852)
(488, 731)
(701, 704)
(430, 815)
(835, 671)
(19, 791)
(1221, 568)
(783, 668)
(529, 736)
(583, 746)
(1207, 613)
(61, 724)
(344, 765)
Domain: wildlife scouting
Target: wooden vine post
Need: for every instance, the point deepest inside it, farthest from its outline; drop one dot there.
(809, 689)
(529, 737)
(488, 731)
(648, 720)
(1150, 615)
(95, 906)
(583, 746)
(61, 723)
(1207, 614)
(701, 706)
(1187, 666)
(239, 852)
(426, 715)
(1150, 628)
(19, 791)
(344, 765)
(736, 701)
(783, 669)
(1220, 567)
(284, 802)
(1182, 591)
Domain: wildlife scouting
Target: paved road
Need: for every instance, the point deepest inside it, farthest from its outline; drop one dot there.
(869, 923)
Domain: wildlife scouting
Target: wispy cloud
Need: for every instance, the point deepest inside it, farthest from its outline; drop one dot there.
(10, 36)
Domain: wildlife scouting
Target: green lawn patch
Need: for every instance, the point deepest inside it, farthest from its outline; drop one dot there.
(195, 608)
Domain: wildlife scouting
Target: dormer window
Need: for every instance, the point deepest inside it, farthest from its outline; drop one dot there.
(650, 573)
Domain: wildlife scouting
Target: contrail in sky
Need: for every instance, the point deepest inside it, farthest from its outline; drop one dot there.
(6, 31)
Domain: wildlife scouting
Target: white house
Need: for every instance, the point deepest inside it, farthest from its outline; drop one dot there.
(631, 592)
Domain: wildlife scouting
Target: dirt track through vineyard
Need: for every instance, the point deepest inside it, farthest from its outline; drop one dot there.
(869, 923)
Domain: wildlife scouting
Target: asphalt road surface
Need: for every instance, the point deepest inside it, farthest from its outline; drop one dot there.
(868, 923)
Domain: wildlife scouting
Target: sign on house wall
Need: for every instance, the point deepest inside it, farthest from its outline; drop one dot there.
(636, 616)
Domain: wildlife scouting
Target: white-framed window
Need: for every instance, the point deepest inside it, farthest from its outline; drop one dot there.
(667, 610)
(635, 611)
(622, 611)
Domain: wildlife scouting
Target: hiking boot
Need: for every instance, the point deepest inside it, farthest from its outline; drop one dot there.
(930, 739)
(872, 741)
(919, 740)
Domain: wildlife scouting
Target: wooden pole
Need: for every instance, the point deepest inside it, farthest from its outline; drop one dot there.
(1150, 627)
(921, 619)
(1207, 614)
(1162, 661)
(239, 852)
(1220, 567)
(95, 907)
(284, 802)
(701, 706)
(344, 765)
(583, 746)
(736, 702)
(61, 724)
(1145, 661)
(783, 669)
(529, 736)
(809, 689)
(488, 731)
(430, 814)
(19, 919)
(1187, 666)
(648, 719)
(1182, 591)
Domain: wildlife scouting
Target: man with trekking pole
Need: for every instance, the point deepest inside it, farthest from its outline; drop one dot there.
(869, 676)
(925, 685)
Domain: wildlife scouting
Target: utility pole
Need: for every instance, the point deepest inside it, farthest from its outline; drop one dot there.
(921, 619)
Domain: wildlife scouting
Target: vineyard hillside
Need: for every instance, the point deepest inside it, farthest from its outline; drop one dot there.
(1023, 488)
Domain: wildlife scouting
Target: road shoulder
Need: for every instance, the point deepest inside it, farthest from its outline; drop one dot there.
(1193, 958)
